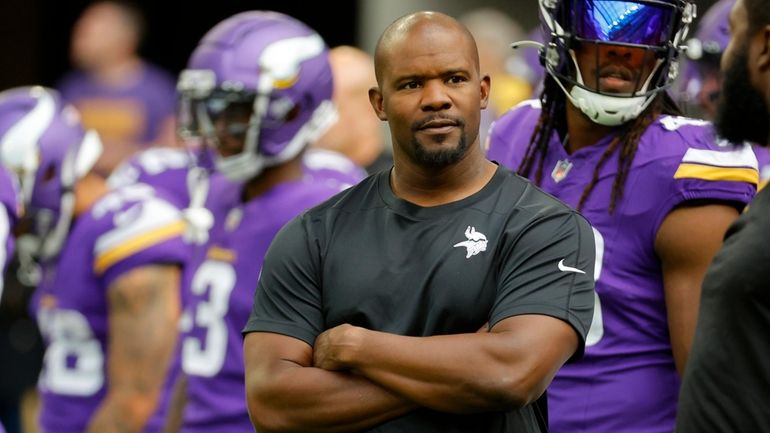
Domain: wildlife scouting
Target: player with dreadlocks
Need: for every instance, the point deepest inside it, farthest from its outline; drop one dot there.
(606, 138)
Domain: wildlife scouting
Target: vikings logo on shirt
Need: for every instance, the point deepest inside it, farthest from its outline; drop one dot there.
(475, 244)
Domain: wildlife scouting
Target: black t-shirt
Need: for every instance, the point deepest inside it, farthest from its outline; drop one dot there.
(726, 386)
(371, 259)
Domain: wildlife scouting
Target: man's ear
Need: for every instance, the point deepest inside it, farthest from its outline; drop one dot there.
(375, 98)
(486, 87)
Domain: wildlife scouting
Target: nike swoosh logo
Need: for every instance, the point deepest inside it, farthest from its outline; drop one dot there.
(564, 268)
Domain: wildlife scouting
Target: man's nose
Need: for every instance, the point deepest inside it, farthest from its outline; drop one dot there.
(618, 53)
(435, 96)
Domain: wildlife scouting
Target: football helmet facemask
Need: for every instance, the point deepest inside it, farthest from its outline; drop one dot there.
(657, 27)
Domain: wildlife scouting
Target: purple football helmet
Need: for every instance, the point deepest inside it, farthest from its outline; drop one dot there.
(656, 26)
(263, 78)
(43, 142)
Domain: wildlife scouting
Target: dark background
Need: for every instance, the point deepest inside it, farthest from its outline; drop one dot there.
(34, 34)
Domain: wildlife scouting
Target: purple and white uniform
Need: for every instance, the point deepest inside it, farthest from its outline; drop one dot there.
(129, 227)
(220, 287)
(628, 367)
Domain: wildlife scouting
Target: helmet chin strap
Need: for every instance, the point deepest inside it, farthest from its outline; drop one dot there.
(241, 167)
(198, 218)
(603, 109)
(607, 110)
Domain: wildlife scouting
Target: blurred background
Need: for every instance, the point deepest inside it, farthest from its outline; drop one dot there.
(35, 33)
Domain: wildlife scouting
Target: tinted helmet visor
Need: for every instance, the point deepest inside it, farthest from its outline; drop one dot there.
(647, 23)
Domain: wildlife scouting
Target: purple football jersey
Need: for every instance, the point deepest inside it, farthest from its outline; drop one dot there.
(133, 112)
(332, 167)
(627, 380)
(220, 286)
(129, 227)
(10, 201)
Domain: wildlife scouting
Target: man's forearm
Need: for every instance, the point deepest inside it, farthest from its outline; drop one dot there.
(315, 400)
(289, 397)
(459, 373)
(459, 379)
(143, 315)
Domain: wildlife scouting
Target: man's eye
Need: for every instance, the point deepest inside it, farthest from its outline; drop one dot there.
(455, 79)
(411, 85)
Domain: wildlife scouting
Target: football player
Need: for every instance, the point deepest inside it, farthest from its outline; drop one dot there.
(257, 90)
(606, 138)
(108, 301)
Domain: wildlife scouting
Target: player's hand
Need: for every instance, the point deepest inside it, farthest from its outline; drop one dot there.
(335, 347)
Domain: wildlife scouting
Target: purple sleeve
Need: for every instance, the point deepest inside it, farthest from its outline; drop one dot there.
(703, 171)
(136, 232)
(171, 252)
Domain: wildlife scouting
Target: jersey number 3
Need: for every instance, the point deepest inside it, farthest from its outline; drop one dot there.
(207, 356)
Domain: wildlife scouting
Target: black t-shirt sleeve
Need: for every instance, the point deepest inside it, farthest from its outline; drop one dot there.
(547, 269)
(288, 296)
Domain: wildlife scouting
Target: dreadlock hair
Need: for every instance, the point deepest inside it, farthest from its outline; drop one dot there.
(626, 142)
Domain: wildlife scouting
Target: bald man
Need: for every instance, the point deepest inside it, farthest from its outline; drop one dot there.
(439, 296)
(357, 134)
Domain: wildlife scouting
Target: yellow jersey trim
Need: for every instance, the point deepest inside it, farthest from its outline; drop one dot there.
(708, 172)
(138, 243)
